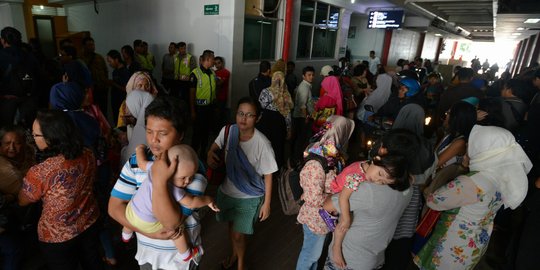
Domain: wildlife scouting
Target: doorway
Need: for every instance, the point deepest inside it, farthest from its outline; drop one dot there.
(44, 27)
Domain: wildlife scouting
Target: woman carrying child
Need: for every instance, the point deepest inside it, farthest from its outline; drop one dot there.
(375, 193)
(315, 181)
(247, 190)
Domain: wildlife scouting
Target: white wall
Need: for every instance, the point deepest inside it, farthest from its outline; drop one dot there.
(431, 43)
(119, 22)
(365, 39)
(159, 22)
(404, 45)
(11, 14)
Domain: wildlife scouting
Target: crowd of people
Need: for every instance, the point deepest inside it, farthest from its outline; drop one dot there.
(425, 194)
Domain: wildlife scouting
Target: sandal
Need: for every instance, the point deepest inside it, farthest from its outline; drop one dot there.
(228, 263)
(110, 261)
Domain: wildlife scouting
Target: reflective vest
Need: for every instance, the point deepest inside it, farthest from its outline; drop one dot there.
(146, 61)
(206, 87)
(181, 66)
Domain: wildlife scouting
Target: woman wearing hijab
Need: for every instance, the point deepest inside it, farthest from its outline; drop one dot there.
(329, 147)
(378, 97)
(499, 168)
(136, 103)
(331, 103)
(68, 97)
(275, 122)
(411, 117)
(140, 80)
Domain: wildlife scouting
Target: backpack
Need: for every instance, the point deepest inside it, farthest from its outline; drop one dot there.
(289, 189)
(20, 77)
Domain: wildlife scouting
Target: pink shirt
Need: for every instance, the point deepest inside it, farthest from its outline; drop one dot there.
(350, 177)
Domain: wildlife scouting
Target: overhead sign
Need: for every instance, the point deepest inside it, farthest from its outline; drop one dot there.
(211, 9)
(385, 19)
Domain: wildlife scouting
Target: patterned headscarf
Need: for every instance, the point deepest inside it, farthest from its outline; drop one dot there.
(141, 81)
(281, 98)
(331, 140)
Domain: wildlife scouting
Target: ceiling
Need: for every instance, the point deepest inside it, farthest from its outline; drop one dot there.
(477, 20)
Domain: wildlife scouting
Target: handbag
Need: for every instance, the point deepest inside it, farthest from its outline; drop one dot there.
(217, 176)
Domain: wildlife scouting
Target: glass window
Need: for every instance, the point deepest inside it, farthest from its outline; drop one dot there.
(322, 14)
(333, 21)
(317, 38)
(259, 39)
(307, 11)
(304, 41)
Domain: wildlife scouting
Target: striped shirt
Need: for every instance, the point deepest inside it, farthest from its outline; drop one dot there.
(159, 253)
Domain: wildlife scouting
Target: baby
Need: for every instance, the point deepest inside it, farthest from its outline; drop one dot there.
(384, 170)
(139, 210)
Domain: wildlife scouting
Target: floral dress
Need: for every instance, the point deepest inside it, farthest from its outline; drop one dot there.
(462, 233)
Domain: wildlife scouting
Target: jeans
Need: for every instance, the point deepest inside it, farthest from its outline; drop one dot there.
(311, 250)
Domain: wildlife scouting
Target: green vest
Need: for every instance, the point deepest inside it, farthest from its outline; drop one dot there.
(181, 66)
(206, 87)
(146, 61)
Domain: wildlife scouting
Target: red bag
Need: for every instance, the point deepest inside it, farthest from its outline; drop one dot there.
(217, 175)
(427, 223)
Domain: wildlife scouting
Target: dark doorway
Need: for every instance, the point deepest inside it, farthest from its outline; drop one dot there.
(44, 27)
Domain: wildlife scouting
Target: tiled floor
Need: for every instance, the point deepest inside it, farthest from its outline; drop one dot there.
(275, 244)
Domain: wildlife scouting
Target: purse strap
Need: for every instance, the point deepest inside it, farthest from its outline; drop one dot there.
(227, 127)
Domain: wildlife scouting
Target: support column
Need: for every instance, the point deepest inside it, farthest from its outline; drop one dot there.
(420, 46)
(287, 31)
(386, 46)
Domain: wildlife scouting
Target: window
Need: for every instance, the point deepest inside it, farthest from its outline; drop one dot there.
(260, 31)
(317, 33)
(259, 39)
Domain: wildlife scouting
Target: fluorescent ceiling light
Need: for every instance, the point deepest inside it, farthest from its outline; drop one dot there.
(516, 34)
(520, 28)
(438, 35)
(535, 20)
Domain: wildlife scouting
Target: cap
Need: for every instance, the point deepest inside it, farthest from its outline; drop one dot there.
(325, 71)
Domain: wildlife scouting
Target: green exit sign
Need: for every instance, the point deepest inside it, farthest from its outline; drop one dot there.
(211, 9)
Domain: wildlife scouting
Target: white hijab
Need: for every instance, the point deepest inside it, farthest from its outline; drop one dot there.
(136, 103)
(379, 96)
(496, 156)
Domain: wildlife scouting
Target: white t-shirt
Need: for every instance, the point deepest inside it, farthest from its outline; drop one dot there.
(373, 63)
(260, 155)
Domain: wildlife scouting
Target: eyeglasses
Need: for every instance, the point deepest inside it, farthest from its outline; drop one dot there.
(242, 114)
(37, 135)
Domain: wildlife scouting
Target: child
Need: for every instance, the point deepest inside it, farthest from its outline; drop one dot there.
(387, 170)
(139, 210)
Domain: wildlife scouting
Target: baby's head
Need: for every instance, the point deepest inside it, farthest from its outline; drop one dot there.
(188, 164)
(389, 170)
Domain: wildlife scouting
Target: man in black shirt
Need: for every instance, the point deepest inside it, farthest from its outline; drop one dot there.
(262, 81)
